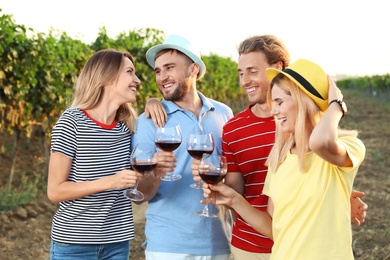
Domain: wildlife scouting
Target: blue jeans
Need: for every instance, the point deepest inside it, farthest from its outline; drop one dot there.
(113, 251)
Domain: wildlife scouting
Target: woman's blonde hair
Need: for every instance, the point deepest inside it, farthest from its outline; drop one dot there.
(101, 69)
(308, 115)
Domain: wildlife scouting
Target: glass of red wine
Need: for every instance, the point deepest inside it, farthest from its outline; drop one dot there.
(199, 143)
(212, 169)
(142, 160)
(168, 138)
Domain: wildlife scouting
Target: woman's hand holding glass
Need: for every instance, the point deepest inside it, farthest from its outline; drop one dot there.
(125, 179)
(142, 160)
(219, 194)
(165, 162)
(212, 169)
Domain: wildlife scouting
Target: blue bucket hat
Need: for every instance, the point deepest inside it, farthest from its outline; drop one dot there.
(181, 44)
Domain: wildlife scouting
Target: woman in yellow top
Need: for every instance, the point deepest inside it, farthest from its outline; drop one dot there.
(312, 167)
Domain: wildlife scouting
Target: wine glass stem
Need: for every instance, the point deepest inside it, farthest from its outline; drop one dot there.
(206, 210)
(135, 189)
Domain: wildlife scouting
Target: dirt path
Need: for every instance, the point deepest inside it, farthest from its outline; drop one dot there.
(25, 232)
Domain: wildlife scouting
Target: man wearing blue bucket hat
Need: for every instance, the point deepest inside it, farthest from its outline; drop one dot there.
(173, 230)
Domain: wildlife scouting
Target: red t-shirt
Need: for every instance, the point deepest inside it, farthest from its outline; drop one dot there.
(247, 141)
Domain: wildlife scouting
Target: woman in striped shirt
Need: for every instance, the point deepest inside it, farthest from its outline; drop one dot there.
(89, 162)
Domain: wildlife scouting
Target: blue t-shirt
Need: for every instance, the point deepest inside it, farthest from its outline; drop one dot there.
(171, 223)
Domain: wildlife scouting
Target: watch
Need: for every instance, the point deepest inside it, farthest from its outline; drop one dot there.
(342, 104)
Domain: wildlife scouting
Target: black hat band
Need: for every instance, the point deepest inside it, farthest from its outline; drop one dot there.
(306, 84)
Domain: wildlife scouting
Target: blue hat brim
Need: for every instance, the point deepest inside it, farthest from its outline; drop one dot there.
(152, 52)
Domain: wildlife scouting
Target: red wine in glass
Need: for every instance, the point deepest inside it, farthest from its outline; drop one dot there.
(168, 146)
(197, 154)
(199, 143)
(212, 177)
(212, 169)
(168, 138)
(143, 161)
(144, 167)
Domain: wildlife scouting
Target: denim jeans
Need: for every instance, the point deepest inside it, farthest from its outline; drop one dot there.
(113, 251)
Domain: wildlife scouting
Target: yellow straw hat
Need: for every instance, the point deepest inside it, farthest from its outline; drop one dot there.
(310, 77)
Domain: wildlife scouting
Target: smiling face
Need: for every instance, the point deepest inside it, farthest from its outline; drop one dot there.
(127, 83)
(284, 109)
(174, 75)
(251, 70)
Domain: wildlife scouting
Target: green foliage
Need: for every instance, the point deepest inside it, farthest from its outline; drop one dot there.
(221, 82)
(220, 78)
(376, 86)
(37, 75)
(137, 42)
(60, 61)
(38, 72)
(15, 72)
(10, 200)
(21, 195)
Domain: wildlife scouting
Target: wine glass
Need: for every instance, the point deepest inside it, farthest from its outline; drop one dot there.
(212, 169)
(143, 161)
(199, 143)
(168, 138)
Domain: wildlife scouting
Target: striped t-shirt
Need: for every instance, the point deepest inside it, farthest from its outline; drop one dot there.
(247, 141)
(97, 151)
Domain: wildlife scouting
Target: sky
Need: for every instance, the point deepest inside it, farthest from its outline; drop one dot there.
(345, 37)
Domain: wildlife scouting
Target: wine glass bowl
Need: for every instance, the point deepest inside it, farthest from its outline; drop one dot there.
(168, 138)
(142, 160)
(199, 143)
(212, 169)
(212, 177)
(168, 146)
